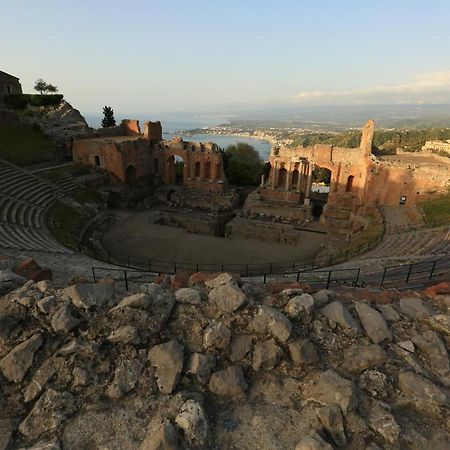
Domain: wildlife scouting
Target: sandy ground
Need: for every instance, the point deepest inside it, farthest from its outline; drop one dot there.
(133, 235)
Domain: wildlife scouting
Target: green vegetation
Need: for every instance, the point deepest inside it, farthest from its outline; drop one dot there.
(65, 223)
(243, 165)
(21, 101)
(88, 195)
(108, 119)
(436, 212)
(42, 87)
(25, 144)
(321, 175)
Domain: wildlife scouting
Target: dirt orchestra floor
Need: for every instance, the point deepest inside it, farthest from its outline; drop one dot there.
(132, 235)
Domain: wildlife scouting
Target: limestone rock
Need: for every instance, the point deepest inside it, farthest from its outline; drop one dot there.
(229, 382)
(332, 389)
(46, 445)
(125, 335)
(333, 422)
(192, 420)
(125, 377)
(81, 377)
(64, 319)
(46, 304)
(383, 422)
(389, 313)
(338, 313)
(324, 296)
(6, 431)
(438, 322)
(361, 357)
(41, 377)
(302, 351)
(188, 295)
(419, 390)
(168, 360)
(202, 365)
(79, 346)
(217, 335)
(222, 279)
(9, 281)
(266, 355)
(86, 295)
(271, 321)
(313, 442)
(407, 345)
(434, 351)
(140, 300)
(240, 346)
(43, 286)
(161, 435)
(300, 304)
(373, 323)
(375, 383)
(414, 307)
(16, 363)
(8, 324)
(48, 413)
(227, 297)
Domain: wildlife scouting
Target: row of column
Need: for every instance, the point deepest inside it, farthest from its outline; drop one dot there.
(304, 180)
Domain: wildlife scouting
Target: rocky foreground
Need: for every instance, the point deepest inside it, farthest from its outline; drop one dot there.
(216, 363)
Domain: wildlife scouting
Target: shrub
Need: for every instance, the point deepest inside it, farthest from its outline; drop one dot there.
(21, 101)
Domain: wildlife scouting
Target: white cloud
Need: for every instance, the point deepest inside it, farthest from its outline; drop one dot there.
(425, 88)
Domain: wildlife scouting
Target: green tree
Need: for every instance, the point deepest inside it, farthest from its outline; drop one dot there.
(243, 165)
(108, 119)
(52, 89)
(40, 86)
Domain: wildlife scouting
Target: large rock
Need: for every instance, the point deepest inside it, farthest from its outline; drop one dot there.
(9, 281)
(227, 297)
(125, 335)
(161, 435)
(126, 376)
(168, 360)
(389, 313)
(434, 351)
(383, 422)
(338, 313)
(140, 300)
(376, 383)
(373, 323)
(418, 390)
(313, 442)
(220, 280)
(41, 377)
(438, 322)
(271, 321)
(414, 307)
(361, 357)
(333, 422)
(301, 304)
(16, 363)
(202, 365)
(217, 336)
(324, 296)
(302, 351)
(87, 295)
(332, 389)
(64, 319)
(266, 355)
(241, 346)
(192, 420)
(8, 324)
(53, 444)
(188, 295)
(229, 382)
(48, 413)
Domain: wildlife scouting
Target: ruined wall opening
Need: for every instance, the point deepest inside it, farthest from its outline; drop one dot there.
(207, 170)
(97, 160)
(156, 165)
(197, 169)
(179, 170)
(349, 186)
(282, 175)
(321, 181)
(294, 179)
(130, 175)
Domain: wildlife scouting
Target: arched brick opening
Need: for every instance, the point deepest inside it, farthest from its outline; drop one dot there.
(282, 174)
(349, 186)
(130, 175)
(207, 170)
(294, 179)
(197, 169)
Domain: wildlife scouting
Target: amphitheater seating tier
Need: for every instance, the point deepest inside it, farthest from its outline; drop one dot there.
(24, 200)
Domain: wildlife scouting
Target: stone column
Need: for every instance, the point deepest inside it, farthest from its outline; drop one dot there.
(275, 176)
(288, 176)
(309, 184)
(262, 180)
(300, 176)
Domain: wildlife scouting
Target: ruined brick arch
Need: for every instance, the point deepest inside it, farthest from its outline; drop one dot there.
(295, 175)
(207, 170)
(282, 175)
(130, 175)
(156, 165)
(349, 186)
(197, 169)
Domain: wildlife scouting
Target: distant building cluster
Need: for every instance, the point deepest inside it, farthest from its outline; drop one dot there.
(437, 146)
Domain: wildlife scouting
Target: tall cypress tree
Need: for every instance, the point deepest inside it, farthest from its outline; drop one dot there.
(108, 119)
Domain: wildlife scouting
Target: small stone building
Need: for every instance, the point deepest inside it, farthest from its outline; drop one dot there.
(9, 84)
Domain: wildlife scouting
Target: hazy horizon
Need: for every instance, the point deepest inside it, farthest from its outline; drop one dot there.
(230, 58)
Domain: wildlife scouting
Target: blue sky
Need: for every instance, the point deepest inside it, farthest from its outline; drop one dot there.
(173, 55)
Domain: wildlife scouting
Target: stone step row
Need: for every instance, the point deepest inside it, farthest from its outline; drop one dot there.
(27, 238)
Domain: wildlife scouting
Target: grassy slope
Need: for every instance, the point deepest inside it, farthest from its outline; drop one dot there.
(24, 145)
(437, 212)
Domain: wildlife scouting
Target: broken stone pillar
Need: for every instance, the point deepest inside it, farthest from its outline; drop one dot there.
(300, 177)
(275, 176)
(262, 180)
(367, 137)
(309, 184)
(289, 176)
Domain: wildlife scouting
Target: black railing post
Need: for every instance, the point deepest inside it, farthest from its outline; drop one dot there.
(93, 274)
(409, 273)
(432, 270)
(174, 267)
(126, 279)
(264, 282)
(298, 276)
(357, 277)
(382, 278)
(329, 279)
(196, 267)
